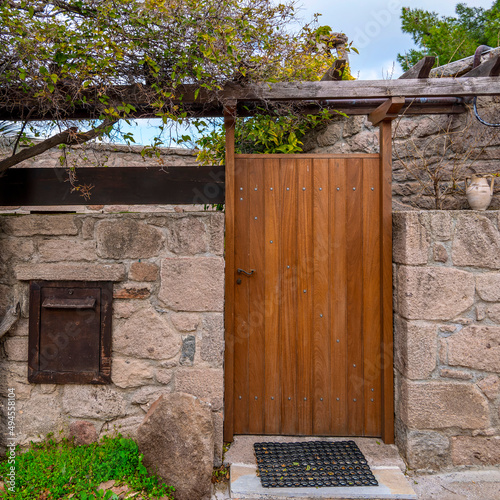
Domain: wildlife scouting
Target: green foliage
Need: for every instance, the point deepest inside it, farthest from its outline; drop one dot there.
(446, 37)
(58, 470)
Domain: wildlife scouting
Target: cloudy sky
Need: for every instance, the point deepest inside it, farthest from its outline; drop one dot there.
(373, 26)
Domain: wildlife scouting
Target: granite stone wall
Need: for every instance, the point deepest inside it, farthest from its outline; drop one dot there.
(447, 337)
(167, 330)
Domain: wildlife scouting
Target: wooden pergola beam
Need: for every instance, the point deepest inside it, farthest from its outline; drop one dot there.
(491, 67)
(420, 70)
(387, 111)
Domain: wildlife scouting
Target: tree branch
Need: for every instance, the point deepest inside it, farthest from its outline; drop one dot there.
(69, 137)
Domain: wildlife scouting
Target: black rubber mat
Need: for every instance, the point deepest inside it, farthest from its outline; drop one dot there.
(312, 464)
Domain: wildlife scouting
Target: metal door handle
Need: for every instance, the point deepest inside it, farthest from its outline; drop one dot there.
(242, 271)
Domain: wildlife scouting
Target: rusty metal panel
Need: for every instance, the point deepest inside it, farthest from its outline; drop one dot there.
(70, 332)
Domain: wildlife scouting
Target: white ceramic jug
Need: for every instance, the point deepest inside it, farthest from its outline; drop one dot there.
(479, 192)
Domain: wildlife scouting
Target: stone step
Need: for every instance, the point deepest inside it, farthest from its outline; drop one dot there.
(245, 484)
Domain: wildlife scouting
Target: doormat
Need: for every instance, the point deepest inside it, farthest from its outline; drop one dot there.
(312, 464)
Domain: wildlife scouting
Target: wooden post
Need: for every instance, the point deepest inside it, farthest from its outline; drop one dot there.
(229, 124)
(386, 281)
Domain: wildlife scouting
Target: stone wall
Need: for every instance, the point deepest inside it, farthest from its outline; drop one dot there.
(447, 337)
(420, 145)
(167, 331)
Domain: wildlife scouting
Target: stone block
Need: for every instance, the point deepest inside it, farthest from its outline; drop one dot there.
(212, 342)
(187, 235)
(441, 225)
(146, 335)
(83, 432)
(218, 420)
(127, 238)
(164, 376)
(215, 227)
(16, 348)
(441, 405)
(88, 226)
(434, 292)
(415, 348)
(488, 286)
(493, 313)
(440, 253)
(131, 292)
(87, 401)
(193, 284)
(456, 374)
(467, 450)
(31, 225)
(76, 272)
(126, 426)
(204, 383)
(188, 350)
(147, 395)
(185, 322)
(410, 238)
(66, 250)
(20, 249)
(476, 242)
(476, 347)
(177, 441)
(490, 386)
(130, 373)
(125, 308)
(143, 271)
(427, 450)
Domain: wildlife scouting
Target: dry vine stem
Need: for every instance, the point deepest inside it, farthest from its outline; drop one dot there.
(439, 162)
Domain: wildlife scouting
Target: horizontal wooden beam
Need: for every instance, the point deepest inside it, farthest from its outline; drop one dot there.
(367, 89)
(388, 110)
(114, 186)
(420, 70)
(491, 67)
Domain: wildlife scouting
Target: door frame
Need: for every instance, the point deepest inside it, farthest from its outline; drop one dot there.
(385, 165)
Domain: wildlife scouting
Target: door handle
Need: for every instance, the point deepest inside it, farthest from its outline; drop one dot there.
(242, 271)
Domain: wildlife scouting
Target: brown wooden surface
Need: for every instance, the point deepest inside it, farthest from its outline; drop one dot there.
(113, 186)
(389, 109)
(491, 67)
(420, 70)
(308, 322)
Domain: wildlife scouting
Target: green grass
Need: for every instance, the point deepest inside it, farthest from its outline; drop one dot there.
(54, 470)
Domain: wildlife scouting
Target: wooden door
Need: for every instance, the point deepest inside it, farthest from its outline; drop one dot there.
(307, 269)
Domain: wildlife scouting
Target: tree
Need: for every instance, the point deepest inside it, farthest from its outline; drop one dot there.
(113, 59)
(449, 38)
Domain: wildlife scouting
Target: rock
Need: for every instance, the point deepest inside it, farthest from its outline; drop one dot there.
(218, 420)
(441, 405)
(188, 350)
(177, 440)
(164, 376)
(20, 249)
(215, 227)
(434, 292)
(127, 238)
(415, 348)
(427, 450)
(212, 342)
(125, 308)
(441, 225)
(66, 250)
(185, 322)
(143, 271)
(16, 348)
(493, 312)
(440, 253)
(83, 432)
(410, 238)
(204, 383)
(490, 385)
(146, 335)
(475, 450)
(87, 401)
(130, 373)
(131, 292)
(456, 374)
(193, 284)
(476, 347)
(126, 426)
(476, 242)
(30, 225)
(488, 286)
(70, 272)
(187, 235)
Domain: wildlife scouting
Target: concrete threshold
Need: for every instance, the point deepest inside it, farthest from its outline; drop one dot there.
(384, 460)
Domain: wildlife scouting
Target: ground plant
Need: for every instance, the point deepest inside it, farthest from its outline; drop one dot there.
(53, 470)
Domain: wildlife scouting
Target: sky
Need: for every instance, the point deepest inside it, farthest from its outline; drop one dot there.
(373, 26)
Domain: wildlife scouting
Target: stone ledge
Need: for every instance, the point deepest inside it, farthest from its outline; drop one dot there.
(80, 272)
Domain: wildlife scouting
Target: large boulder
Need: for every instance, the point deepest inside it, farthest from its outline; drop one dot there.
(177, 440)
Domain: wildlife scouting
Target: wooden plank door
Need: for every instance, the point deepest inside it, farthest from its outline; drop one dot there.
(307, 269)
